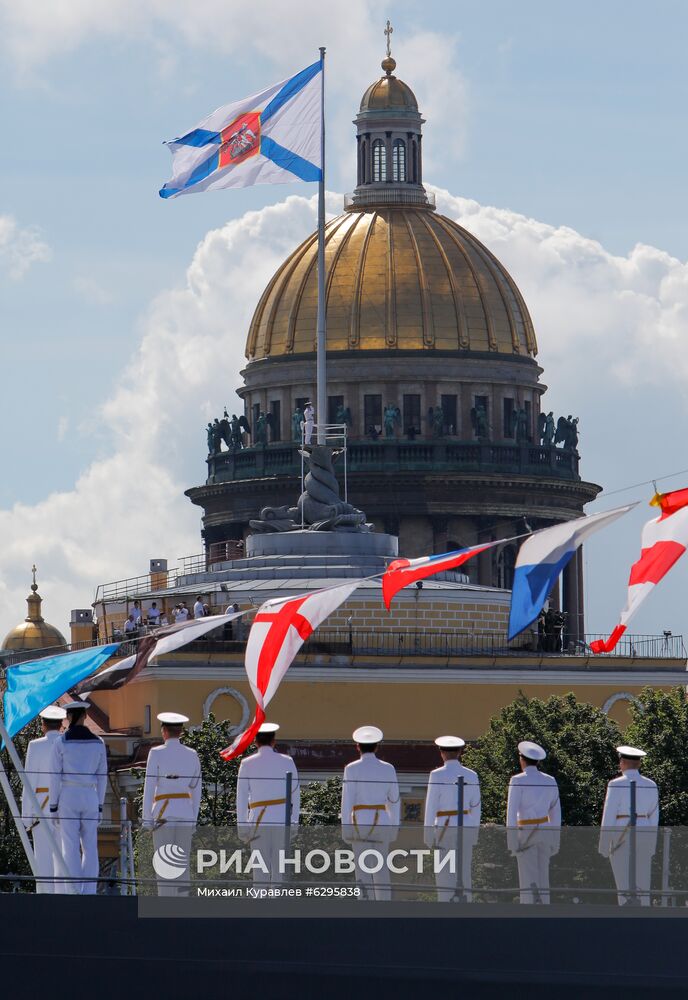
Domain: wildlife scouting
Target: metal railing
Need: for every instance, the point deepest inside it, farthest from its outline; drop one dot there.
(396, 196)
(590, 864)
(452, 643)
(393, 642)
(389, 454)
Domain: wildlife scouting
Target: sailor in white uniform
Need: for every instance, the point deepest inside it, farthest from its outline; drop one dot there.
(442, 830)
(171, 800)
(37, 770)
(619, 841)
(77, 786)
(265, 795)
(370, 811)
(308, 422)
(533, 819)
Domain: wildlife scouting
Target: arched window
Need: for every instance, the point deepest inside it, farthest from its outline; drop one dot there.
(506, 564)
(379, 161)
(399, 160)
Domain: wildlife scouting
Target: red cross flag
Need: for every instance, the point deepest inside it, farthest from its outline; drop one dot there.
(279, 630)
(663, 541)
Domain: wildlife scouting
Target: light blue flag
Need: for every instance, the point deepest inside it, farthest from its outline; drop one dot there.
(34, 684)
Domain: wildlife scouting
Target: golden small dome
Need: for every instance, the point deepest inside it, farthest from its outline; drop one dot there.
(34, 632)
(397, 279)
(388, 92)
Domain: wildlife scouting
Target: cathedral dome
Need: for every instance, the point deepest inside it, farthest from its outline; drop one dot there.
(398, 279)
(34, 632)
(388, 93)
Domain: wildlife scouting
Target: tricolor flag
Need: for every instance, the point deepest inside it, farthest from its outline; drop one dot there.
(663, 541)
(164, 640)
(541, 559)
(279, 629)
(402, 572)
(270, 138)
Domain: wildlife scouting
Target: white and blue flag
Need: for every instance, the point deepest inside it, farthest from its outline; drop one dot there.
(541, 559)
(270, 138)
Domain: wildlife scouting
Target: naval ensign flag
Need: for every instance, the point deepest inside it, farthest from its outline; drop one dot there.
(270, 138)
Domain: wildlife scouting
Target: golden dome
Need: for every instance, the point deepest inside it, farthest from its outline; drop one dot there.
(34, 632)
(397, 279)
(388, 92)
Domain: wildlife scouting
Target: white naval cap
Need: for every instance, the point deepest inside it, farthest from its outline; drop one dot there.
(532, 751)
(172, 718)
(367, 734)
(76, 706)
(450, 742)
(53, 712)
(269, 727)
(631, 753)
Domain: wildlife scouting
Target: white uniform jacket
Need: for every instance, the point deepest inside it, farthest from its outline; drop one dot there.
(616, 817)
(532, 806)
(370, 800)
(441, 801)
(172, 789)
(37, 767)
(78, 761)
(262, 792)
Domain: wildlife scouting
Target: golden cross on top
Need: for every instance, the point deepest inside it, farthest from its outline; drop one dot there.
(388, 32)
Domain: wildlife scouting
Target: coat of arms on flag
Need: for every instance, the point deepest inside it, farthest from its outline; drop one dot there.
(240, 139)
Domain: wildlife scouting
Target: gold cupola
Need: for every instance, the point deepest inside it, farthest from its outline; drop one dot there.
(34, 632)
(400, 277)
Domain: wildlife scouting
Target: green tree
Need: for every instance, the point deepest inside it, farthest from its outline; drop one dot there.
(321, 802)
(580, 741)
(659, 725)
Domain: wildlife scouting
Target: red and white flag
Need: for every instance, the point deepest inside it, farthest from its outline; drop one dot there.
(278, 631)
(663, 541)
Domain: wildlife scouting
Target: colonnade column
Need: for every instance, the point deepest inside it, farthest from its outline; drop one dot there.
(572, 581)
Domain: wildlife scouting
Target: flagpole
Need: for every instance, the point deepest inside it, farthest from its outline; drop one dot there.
(36, 811)
(321, 357)
(16, 816)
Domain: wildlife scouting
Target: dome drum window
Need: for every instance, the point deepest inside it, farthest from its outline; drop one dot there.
(379, 161)
(399, 161)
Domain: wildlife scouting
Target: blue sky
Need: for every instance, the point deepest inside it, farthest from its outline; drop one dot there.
(571, 116)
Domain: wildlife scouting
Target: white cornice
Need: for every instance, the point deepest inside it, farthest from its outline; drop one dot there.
(394, 675)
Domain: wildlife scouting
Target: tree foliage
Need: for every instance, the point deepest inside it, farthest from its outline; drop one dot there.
(659, 725)
(321, 802)
(580, 741)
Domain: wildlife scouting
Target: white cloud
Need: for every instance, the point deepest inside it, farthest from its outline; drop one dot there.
(628, 312)
(611, 336)
(34, 33)
(20, 247)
